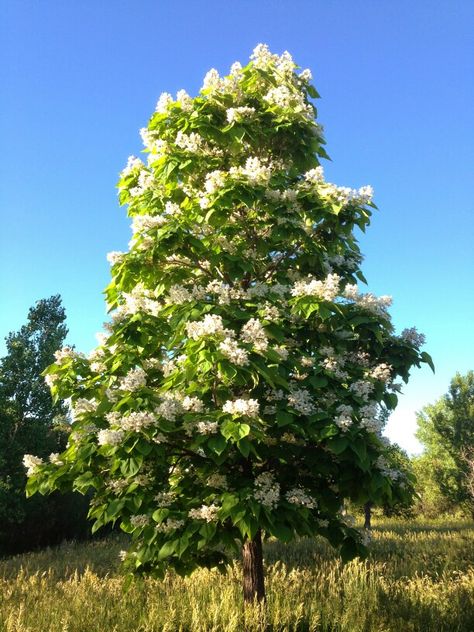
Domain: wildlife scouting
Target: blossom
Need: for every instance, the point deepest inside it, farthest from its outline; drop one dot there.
(231, 350)
(212, 81)
(242, 407)
(140, 520)
(165, 499)
(115, 257)
(344, 418)
(237, 114)
(217, 480)
(413, 337)
(254, 333)
(326, 290)
(83, 406)
(110, 437)
(137, 420)
(163, 102)
(133, 381)
(64, 354)
(132, 164)
(377, 305)
(31, 463)
(210, 325)
(170, 524)
(215, 180)
(190, 142)
(55, 459)
(255, 171)
(267, 490)
(361, 389)
(298, 496)
(207, 427)
(169, 408)
(205, 512)
(382, 372)
(184, 100)
(301, 401)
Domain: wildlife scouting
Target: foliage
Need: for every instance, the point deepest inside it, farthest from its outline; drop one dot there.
(30, 422)
(446, 428)
(238, 386)
(418, 577)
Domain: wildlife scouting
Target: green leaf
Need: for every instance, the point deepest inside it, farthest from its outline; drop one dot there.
(167, 549)
(281, 532)
(338, 445)
(425, 357)
(284, 418)
(217, 444)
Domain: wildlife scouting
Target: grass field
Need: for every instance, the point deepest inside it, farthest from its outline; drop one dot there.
(419, 577)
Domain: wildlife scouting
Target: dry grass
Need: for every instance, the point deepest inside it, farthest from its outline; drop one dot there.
(417, 578)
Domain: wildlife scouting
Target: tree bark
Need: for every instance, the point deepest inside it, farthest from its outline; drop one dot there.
(252, 562)
(368, 515)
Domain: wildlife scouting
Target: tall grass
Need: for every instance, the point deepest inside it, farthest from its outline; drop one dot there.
(419, 577)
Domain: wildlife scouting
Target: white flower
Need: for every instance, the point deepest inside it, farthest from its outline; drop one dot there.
(253, 333)
(137, 420)
(212, 81)
(140, 520)
(65, 353)
(217, 480)
(314, 176)
(110, 437)
(242, 407)
(31, 463)
(298, 496)
(210, 325)
(255, 171)
(189, 142)
(169, 408)
(207, 427)
(51, 379)
(54, 459)
(133, 381)
(382, 372)
(170, 524)
(306, 75)
(83, 406)
(132, 164)
(184, 100)
(215, 180)
(115, 257)
(205, 512)
(326, 290)
(163, 102)
(413, 337)
(377, 305)
(165, 499)
(267, 491)
(301, 401)
(237, 114)
(193, 404)
(231, 350)
(362, 389)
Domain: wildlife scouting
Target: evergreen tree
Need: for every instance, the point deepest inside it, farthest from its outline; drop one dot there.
(30, 422)
(236, 394)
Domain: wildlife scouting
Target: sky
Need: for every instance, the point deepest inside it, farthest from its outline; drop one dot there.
(396, 78)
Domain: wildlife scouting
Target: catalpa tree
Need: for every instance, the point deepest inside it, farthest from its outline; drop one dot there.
(235, 394)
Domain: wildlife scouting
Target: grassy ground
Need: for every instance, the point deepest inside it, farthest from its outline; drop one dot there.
(419, 577)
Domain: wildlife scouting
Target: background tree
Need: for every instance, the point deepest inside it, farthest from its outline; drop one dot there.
(31, 422)
(446, 428)
(236, 394)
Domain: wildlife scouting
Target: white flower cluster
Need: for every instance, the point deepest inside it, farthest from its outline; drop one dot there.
(165, 499)
(298, 496)
(139, 521)
(210, 325)
(326, 290)
(192, 142)
(237, 114)
(231, 350)
(133, 381)
(346, 195)
(118, 485)
(169, 366)
(217, 480)
(64, 354)
(207, 427)
(314, 176)
(183, 98)
(215, 180)
(170, 407)
(382, 372)
(254, 170)
(384, 467)
(377, 305)
(254, 333)
(267, 490)
(145, 181)
(82, 406)
(132, 163)
(137, 421)
(369, 419)
(31, 462)
(286, 99)
(242, 407)
(343, 419)
(164, 101)
(115, 257)
(142, 223)
(192, 404)
(55, 459)
(413, 337)
(301, 400)
(170, 524)
(205, 512)
(110, 437)
(362, 389)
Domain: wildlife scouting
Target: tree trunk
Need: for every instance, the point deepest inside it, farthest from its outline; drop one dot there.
(252, 562)
(368, 515)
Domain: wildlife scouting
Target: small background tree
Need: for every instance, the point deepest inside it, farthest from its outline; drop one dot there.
(446, 428)
(31, 422)
(236, 391)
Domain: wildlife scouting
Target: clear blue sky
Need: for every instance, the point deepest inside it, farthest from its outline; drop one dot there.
(396, 78)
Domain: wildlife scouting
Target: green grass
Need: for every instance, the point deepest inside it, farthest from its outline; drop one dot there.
(419, 577)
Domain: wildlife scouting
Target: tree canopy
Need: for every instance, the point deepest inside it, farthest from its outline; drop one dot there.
(237, 388)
